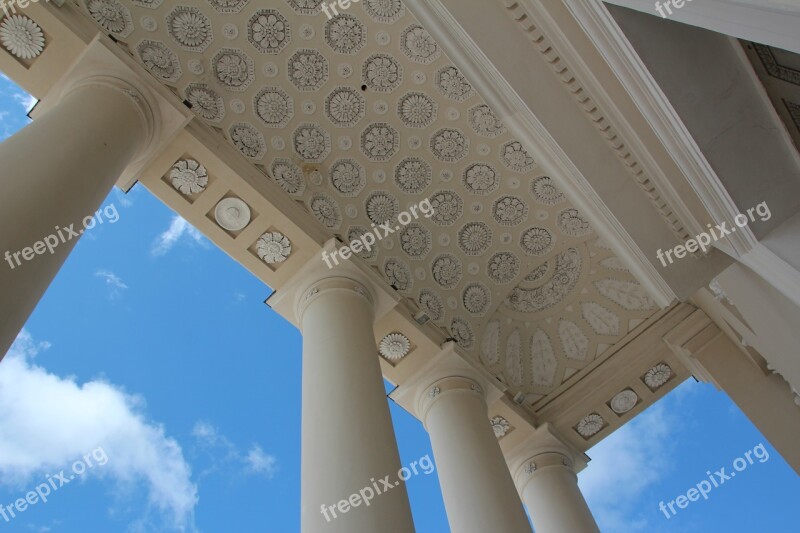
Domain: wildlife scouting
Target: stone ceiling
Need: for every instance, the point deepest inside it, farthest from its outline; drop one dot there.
(362, 116)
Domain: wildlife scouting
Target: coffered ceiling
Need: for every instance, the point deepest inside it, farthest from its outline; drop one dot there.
(361, 116)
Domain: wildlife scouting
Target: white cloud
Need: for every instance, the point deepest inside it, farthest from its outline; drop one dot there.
(625, 465)
(47, 422)
(25, 100)
(39, 529)
(113, 281)
(177, 229)
(206, 433)
(260, 463)
(225, 454)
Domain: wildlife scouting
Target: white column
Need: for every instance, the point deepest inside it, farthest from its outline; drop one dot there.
(478, 491)
(54, 173)
(348, 440)
(547, 480)
(767, 400)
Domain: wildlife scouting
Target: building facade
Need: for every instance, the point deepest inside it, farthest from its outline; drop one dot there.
(535, 219)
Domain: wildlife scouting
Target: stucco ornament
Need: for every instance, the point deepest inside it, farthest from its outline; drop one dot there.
(188, 176)
(624, 401)
(232, 214)
(21, 36)
(274, 247)
(395, 346)
(658, 375)
(500, 426)
(112, 16)
(590, 425)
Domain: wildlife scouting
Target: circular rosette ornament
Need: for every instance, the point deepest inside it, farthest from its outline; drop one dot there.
(273, 247)
(590, 425)
(188, 176)
(395, 346)
(21, 36)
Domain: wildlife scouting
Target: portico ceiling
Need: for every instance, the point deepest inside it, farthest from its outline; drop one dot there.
(361, 116)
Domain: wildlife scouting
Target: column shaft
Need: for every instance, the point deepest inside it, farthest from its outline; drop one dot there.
(348, 439)
(55, 172)
(479, 493)
(554, 500)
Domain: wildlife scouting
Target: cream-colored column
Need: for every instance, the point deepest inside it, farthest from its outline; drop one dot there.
(54, 173)
(764, 397)
(547, 480)
(478, 491)
(350, 461)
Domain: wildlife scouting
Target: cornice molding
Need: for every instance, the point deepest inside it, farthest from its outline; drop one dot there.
(592, 98)
(518, 118)
(663, 119)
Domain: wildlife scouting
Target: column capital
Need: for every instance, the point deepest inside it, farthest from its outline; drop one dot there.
(103, 64)
(312, 279)
(448, 386)
(543, 450)
(150, 120)
(335, 284)
(449, 372)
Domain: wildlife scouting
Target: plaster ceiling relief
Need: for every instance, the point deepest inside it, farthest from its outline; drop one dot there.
(362, 116)
(22, 37)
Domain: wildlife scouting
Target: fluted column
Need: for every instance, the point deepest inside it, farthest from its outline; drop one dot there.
(348, 442)
(54, 173)
(478, 491)
(547, 480)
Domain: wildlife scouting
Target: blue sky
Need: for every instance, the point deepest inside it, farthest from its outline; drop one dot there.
(155, 346)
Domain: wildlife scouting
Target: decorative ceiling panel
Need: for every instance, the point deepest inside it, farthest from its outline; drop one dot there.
(362, 116)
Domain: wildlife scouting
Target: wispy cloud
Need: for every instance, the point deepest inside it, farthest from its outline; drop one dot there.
(39, 529)
(625, 465)
(178, 228)
(116, 285)
(25, 100)
(225, 455)
(260, 463)
(123, 198)
(61, 420)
